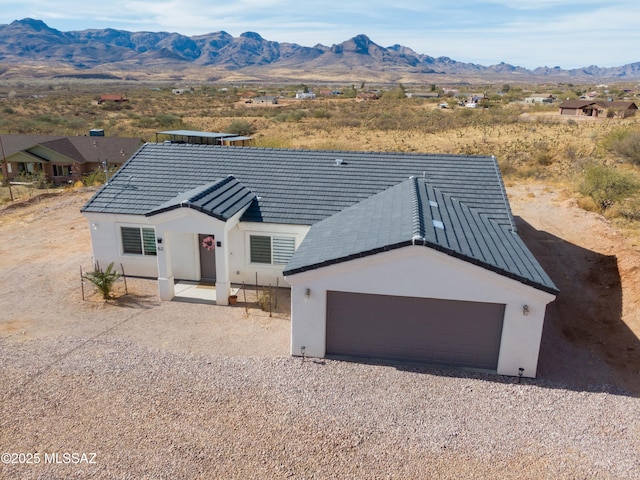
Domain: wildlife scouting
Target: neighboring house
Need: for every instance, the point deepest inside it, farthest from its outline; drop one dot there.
(544, 98)
(305, 96)
(265, 100)
(61, 158)
(425, 95)
(112, 98)
(401, 256)
(367, 96)
(181, 91)
(599, 108)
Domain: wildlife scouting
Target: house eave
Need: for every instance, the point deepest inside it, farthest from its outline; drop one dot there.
(433, 246)
(189, 206)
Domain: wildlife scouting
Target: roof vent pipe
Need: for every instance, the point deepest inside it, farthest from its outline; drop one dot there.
(339, 161)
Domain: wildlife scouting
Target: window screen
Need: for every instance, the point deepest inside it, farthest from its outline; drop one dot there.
(260, 249)
(283, 248)
(138, 241)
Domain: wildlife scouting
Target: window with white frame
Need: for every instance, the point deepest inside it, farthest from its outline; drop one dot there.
(270, 250)
(138, 241)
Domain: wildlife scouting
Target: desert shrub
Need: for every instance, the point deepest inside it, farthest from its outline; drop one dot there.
(607, 185)
(36, 179)
(166, 120)
(264, 300)
(321, 113)
(145, 122)
(97, 177)
(292, 116)
(241, 127)
(542, 154)
(272, 142)
(624, 142)
(631, 210)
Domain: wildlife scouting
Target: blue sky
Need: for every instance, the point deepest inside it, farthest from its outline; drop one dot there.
(527, 33)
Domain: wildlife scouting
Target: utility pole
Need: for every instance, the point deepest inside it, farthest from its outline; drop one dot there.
(6, 169)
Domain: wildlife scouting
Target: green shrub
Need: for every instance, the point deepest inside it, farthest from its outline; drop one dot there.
(607, 185)
(241, 127)
(103, 280)
(38, 179)
(166, 120)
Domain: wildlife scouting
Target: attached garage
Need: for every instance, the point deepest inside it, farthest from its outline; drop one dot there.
(456, 333)
(416, 274)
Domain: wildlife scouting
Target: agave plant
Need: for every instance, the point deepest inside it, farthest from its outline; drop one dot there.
(103, 280)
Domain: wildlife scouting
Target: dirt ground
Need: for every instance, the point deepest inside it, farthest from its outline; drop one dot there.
(43, 245)
(591, 333)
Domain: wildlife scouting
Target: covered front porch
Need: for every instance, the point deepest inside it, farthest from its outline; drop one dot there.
(199, 292)
(192, 235)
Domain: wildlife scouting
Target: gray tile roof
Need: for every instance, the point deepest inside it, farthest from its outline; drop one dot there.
(221, 199)
(293, 186)
(416, 213)
(365, 201)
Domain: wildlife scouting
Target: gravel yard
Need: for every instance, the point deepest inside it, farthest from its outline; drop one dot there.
(150, 413)
(185, 391)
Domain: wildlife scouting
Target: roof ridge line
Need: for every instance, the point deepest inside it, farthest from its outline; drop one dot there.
(503, 192)
(417, 213)
(212, 187)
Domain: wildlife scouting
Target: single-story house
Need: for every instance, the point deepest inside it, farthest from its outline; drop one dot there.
(408, 257)
(541, 98)
(598, 108)
(364, 96)
(425, 95)
(265, 100)
(305, 96)
(112, 98)
(63, 158)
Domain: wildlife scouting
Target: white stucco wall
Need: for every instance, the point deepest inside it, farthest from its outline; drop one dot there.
(178, 255)
(107, 243)
(422, 272)
(186, 258)
(240, 266)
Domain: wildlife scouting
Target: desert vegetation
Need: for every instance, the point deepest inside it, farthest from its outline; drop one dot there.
(595, 161)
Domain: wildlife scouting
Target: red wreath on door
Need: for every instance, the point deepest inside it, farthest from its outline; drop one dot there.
(208, 243)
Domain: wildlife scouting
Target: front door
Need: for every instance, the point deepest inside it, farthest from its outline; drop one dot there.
(207, 257)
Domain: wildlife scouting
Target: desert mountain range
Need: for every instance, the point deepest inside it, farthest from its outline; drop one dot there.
(110, 53)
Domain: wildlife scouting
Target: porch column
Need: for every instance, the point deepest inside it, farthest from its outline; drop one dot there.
(223, 285)
(166, 284)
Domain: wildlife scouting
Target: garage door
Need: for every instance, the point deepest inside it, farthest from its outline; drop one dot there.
(465, 334)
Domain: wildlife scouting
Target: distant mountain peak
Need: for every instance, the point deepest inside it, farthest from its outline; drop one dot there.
(252, 36)
(31, 40)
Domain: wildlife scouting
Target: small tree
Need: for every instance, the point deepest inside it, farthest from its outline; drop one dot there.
(241, 127)
(607, 185)
(103, 280)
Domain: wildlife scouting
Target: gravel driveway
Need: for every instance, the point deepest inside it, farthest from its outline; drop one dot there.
(138, 389)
